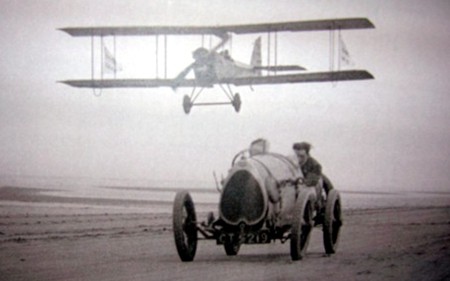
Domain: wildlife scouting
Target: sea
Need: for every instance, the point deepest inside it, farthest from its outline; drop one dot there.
(131, 195)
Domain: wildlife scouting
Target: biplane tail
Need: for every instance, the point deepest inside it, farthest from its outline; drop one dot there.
(256, 60)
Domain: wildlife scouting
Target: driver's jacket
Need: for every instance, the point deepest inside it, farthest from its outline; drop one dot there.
(312, 171)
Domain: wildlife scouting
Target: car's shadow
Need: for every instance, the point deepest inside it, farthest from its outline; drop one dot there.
(281, 258)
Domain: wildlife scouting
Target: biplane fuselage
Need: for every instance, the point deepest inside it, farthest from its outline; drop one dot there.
(220, 66)
(211, 67)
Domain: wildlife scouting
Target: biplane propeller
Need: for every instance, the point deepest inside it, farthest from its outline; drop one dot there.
(212, 67)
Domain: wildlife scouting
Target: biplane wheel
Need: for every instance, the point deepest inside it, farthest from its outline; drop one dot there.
(231, 248)
(302, 224)
(184, 226)
(332, 222)
(187, 104)
(236, 102)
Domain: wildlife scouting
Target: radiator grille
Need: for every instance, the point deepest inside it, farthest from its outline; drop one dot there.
(242, 199)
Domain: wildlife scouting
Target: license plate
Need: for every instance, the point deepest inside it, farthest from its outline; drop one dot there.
(261, 237)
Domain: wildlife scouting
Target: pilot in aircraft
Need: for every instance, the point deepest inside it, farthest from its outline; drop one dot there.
(226, 55)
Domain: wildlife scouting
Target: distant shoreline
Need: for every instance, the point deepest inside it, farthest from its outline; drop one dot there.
(210, 190)
(26, 194)
(141, 199)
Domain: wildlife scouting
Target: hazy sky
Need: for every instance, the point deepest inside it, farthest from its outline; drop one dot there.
(388, 133)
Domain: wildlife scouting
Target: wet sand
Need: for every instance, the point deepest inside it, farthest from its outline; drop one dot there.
(376, 244)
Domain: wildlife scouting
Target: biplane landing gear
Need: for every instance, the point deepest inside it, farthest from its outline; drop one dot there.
(189, 101)
(187, 104)
(236, 102)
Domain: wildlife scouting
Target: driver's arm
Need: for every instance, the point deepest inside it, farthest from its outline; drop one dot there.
(313, 175)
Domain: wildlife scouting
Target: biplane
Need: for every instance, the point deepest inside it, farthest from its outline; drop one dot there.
(214, 66)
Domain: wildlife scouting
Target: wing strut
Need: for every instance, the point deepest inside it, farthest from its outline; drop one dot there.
(115, 57)
(99, 92)
(272, 52)
(268, 50)
(276, 51)
(332, 58)
(338, 51)
(165, 56)
(156, 56)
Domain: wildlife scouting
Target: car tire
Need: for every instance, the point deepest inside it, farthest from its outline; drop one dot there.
(302, 224)
(184, 226)
(332, 222)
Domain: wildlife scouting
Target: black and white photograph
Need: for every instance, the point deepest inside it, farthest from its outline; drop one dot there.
(224, 140)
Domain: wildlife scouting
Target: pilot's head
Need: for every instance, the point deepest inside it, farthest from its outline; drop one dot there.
(200, 53)
(302, 149)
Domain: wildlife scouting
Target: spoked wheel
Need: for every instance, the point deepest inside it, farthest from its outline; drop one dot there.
(184, 227)
(232, 248)
(332, 222)
(302, 225)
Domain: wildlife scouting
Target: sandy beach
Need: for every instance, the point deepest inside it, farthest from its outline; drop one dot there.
(404, 243)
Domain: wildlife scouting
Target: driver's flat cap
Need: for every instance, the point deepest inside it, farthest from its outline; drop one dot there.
(302, 146)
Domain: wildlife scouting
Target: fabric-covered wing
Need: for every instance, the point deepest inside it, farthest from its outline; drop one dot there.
(280, 68)
(314, 25)
(301, 78)
(142, 31)
(129, 83)
(242, 81)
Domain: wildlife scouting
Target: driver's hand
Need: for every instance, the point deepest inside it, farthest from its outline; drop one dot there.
(300, 181)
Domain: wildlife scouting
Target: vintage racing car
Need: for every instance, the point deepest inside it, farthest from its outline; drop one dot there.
(251, 210)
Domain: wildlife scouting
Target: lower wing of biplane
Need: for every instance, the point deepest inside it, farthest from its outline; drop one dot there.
(209, 65)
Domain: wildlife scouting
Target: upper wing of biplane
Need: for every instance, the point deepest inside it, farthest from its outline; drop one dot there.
(313, 25)
(130, 83)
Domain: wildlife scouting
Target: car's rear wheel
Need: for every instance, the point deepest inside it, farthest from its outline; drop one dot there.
(332, 222)
(302, 225)
(184, 226)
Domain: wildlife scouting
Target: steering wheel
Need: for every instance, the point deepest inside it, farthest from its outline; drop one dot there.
(297, 181)
(300, 181)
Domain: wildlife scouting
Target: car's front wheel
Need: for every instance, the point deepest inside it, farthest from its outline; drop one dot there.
(332, 222)
(302, 224)
(184, 226)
